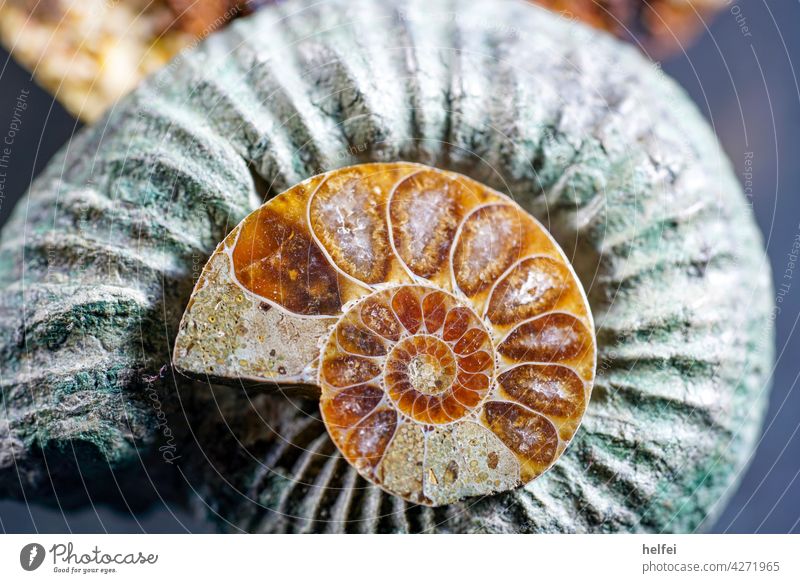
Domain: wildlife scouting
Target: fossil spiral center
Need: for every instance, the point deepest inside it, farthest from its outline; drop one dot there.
(425, 349)
(426, 363)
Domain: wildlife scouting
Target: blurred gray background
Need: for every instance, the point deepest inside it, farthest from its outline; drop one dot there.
(748, 89)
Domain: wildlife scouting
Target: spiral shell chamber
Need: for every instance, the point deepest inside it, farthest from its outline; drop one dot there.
(451, 343)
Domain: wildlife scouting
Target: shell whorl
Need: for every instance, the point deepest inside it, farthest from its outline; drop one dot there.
(598, 144)
(457, 353)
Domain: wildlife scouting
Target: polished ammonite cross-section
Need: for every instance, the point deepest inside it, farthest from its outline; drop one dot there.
(443, 329)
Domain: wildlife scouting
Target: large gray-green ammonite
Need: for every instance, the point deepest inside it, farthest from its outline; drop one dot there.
(578, 130)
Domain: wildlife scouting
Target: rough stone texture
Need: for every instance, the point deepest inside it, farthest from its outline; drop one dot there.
(98, 261)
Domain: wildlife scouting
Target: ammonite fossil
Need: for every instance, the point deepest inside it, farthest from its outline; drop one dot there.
(98, 263)
(89, 53)
(451, 340)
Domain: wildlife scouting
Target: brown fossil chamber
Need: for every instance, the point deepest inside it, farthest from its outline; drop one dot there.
(447, 335)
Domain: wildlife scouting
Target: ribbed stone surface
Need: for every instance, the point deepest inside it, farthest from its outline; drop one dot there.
(97, 263)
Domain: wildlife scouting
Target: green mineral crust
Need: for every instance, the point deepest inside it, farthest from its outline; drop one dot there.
(98, 261)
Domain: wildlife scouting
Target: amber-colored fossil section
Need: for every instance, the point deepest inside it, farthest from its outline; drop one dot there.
(366, 443)
(429, 378)
(351, 405)
(276, 258)
(532, 287)
(425, 211)
(530, 435)
(491, 240)
(347, 214)
(423, 364)
(553, 390)
(458, 351)
(554, 337)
